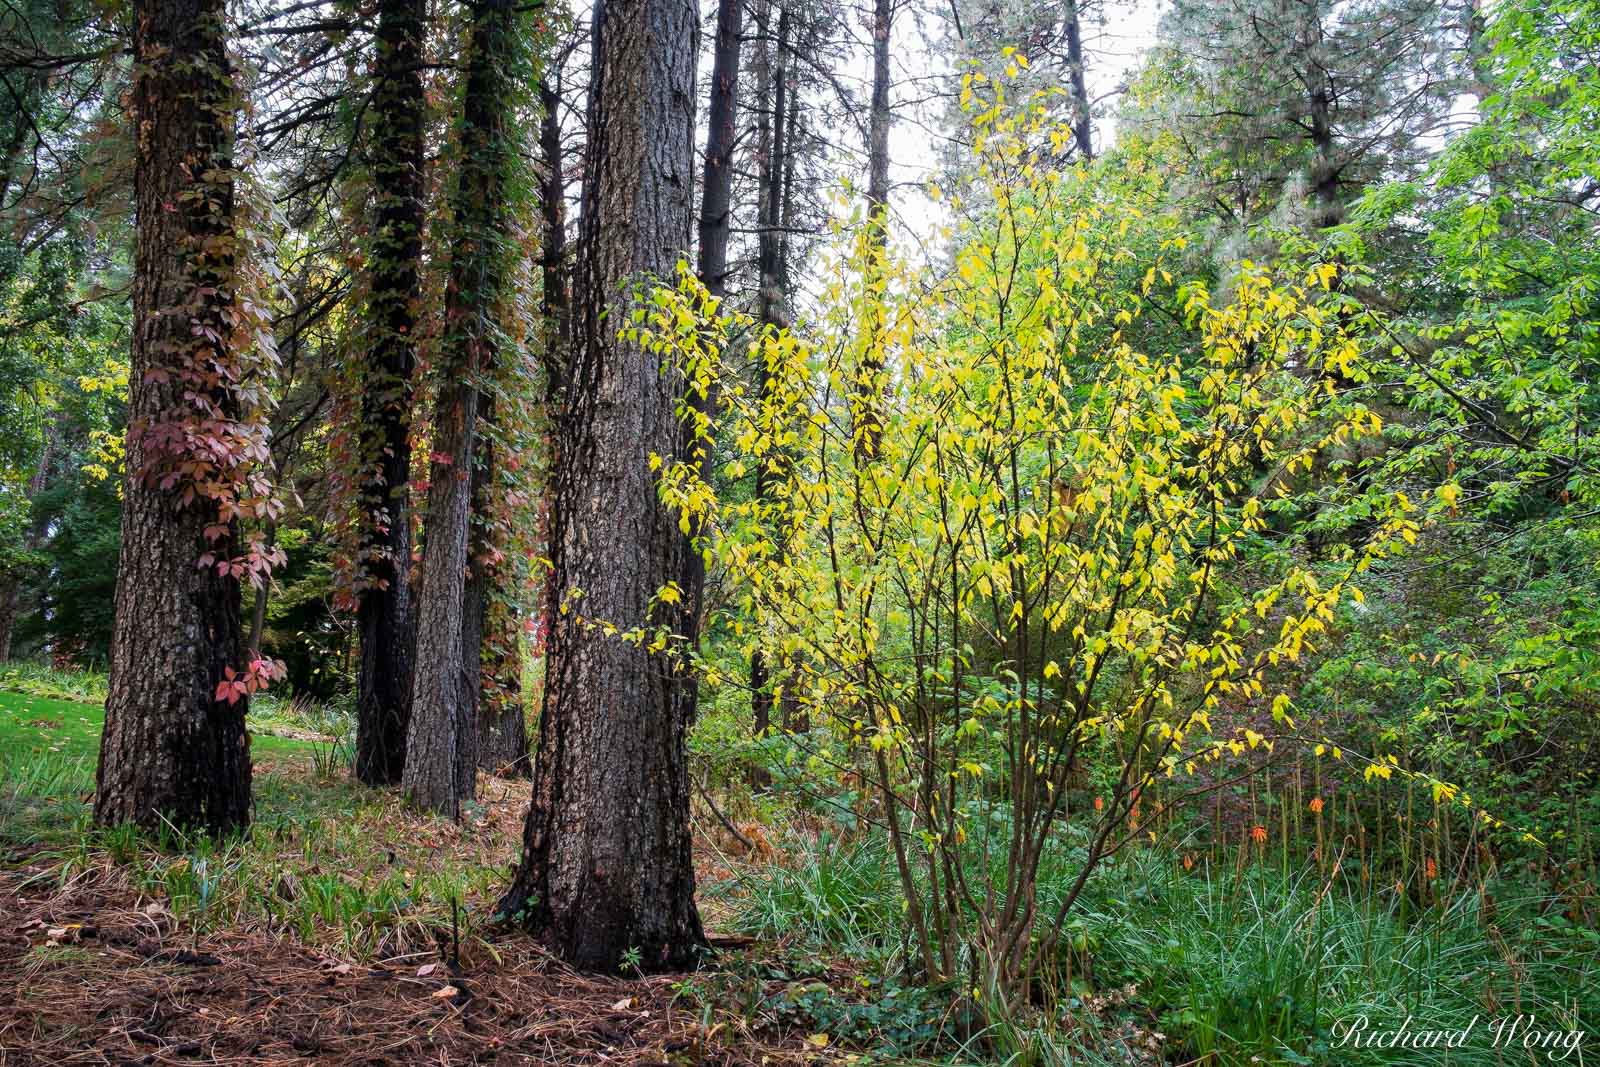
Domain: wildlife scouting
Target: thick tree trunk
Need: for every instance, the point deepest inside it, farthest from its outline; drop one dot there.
(606, 866)
(170, 748)
(442, 743)
(441, 759)
(383, 614)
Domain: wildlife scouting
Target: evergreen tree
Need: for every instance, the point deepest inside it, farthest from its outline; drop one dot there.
(606, 869)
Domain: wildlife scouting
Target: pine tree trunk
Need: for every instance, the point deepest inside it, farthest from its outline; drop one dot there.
(1327, 208)
(606, 866)
(10, 593)
(716, 203)
(879, 117)
(868, 422)
(716, 187)
(556, 310)
(442, 743)
(441, 760)
(1082, 125)
(494, 663)
(170, 748)
(776, 117)
(383, 614)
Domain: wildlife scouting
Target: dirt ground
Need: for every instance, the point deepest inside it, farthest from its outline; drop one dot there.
(95, 977)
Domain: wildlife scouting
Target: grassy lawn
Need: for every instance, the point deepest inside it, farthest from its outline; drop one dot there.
(327, 859)
(48, 749)
(38, 726)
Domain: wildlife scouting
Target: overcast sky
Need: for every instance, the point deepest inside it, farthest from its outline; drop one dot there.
(1115, 37)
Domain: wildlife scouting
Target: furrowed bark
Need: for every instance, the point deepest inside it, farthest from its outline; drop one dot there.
(493, 644)
(770, 182)
(170, 749)
(606, 869)
(383, 613)
(442, 742)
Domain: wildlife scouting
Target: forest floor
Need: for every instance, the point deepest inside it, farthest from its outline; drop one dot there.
(344, 930)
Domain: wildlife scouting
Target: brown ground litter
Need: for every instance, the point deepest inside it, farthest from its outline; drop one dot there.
(96, 977)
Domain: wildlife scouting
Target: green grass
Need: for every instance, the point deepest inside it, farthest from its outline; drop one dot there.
(43, 680)
(48, 749)
(326, 860)
(38, 725)
(1237, 968)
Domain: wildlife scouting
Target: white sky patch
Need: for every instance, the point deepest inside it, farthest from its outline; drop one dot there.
(1117, 33)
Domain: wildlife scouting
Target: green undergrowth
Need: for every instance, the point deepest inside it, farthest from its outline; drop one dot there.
(326, 860)
(1239, 966)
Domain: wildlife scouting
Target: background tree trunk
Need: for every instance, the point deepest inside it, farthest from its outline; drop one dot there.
(869, 399)
(170, 748)
(878, 129)
(777, 117)
(716, 187)
(1082, 124)
(606, 866)
(11, 583)
(493, 641)
(383, 614)
(716, 202)
(442, 743)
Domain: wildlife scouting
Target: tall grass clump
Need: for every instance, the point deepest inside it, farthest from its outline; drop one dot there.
(1254, 965)
(1232, 965)
(841, 894)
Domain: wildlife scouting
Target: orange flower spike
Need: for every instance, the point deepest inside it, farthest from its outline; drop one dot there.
(1315, 805)
(1258, 834)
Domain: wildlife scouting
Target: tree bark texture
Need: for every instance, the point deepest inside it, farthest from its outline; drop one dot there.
(442, 742)
(879, 117)
(774, 159)
(869, 419)
(441, 762)
(170, 748)
(383, 614)
(606, 868)
(556, 310)
(716, 195)
(1082, 125)
(493, 644)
